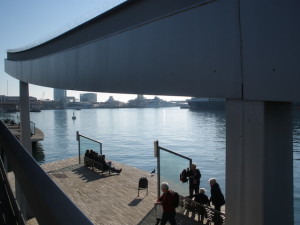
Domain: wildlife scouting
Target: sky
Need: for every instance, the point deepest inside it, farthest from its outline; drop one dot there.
(23, 23)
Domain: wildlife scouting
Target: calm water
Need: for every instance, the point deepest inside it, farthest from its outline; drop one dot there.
(128, 134)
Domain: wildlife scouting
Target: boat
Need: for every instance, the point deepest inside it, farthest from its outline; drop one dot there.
(73, 117)
(184, 106)
(206, 104)
(35, 110)
(142, 102)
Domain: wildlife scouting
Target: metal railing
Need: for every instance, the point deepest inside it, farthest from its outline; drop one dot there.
(48, 202)
(86, 143)
(16, 120)
(169, 166)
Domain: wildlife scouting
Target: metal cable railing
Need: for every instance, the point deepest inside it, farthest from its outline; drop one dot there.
(48, 202)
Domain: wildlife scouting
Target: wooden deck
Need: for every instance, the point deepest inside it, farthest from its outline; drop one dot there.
(108, 200)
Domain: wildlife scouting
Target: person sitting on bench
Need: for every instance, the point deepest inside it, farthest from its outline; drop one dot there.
(107, 165)
(202, 199)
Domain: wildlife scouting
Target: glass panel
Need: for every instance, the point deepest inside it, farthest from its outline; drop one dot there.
(32, 127)
(171, 166)
(85, 144)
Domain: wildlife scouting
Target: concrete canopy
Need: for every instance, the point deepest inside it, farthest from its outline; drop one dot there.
(228, 49)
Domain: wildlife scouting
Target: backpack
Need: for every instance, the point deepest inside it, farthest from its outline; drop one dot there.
(183, 176)
(176, 199)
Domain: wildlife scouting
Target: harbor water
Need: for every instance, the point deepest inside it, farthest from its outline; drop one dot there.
(128, 134)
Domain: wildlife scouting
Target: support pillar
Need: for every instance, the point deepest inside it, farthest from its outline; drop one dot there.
(26, 142)
(25, 117)
(259, 163)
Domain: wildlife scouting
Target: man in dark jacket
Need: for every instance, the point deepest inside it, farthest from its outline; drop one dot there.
(217, 197)
(167, 202)
(201, 197)
(194, 180)
(203, 200)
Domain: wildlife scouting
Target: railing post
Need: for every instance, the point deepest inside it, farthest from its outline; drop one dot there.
(78, 139)
(157, 155)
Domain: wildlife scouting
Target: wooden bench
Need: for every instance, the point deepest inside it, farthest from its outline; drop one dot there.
(211, 215)
(214, 216)
(93, 163)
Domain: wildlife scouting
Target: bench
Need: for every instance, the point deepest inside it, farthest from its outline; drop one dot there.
(88, 162)
(211, 215)
(214, 216)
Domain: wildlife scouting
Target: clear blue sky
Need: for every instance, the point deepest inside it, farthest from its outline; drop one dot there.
(24, 22)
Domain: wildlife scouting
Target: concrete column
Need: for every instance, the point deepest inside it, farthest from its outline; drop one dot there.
(259, 163)
(25, 117)
(26, 142)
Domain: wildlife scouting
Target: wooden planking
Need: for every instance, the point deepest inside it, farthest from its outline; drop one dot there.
(104, 199)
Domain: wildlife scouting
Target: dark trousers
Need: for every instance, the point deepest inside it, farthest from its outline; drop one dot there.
(218, 207)
(217, 218)
(166, 216)
(194, 188)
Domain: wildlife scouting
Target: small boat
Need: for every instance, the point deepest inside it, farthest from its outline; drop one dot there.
(35, 110)
(73, 117)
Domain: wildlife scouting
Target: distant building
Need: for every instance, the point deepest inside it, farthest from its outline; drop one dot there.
(59, 94)
(2, 98)
(142, 102)
(111, 103)
(49, 104)
(70, 99)
(88, 97)
(12, 102)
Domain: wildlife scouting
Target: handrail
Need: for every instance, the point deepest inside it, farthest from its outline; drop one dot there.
(174, 153)
(89, 138)
(48, 202)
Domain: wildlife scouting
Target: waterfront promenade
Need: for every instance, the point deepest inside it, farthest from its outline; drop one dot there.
(109, 200)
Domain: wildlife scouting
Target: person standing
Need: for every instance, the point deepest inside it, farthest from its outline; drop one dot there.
(217, 197)
(194, 180)
(168, 204)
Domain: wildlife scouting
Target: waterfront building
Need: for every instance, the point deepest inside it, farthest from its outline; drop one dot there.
(141, 102)
(49, 104)
(2, 98)
(12, 102)
(88, 97)
(111, 103)
(70, 99)
(59, 94)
